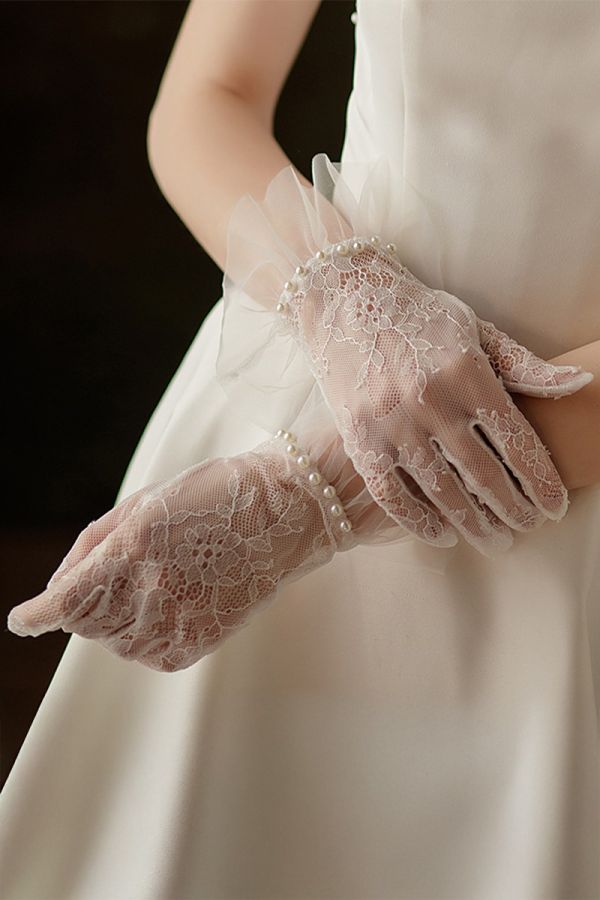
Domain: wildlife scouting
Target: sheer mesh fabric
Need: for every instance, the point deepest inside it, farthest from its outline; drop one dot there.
(402, 368)
(398, 391)
(416, 383)
(173, 570)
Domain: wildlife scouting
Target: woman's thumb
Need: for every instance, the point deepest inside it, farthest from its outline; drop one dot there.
(36, 616)
(522, 372)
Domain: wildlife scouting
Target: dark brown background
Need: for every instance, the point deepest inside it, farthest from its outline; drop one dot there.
(103, 288)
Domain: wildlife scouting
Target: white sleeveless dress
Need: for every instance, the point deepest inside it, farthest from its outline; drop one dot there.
(407, 722)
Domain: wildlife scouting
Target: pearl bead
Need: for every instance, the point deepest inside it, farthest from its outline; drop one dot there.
(281, 307)
(345, 525)
(336, 509)
(288, 436)
(304, 460)
(329, 492)
(341, 249)
(289, 286)
(314, 478)
(356, 245)
(319, 254)
(280, 433)
(354, 18)
(375, 239)
(292, 449)
(391, 248)
(301, 271)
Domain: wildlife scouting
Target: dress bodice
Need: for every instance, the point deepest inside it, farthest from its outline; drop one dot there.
(488, 115)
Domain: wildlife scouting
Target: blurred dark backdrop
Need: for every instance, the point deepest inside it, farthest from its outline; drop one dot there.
(103, 288)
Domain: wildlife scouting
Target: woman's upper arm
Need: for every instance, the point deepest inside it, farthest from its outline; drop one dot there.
(245, 46)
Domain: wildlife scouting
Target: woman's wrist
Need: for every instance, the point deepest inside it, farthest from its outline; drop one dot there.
(570, 427)
(310, 462)
(345, 501)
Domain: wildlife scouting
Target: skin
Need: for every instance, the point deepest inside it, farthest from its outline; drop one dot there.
(210, 141)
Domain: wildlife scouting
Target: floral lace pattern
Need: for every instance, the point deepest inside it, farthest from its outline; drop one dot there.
(418, 387)
(192, 559)
(518, 366)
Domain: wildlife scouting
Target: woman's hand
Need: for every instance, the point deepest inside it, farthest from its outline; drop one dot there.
(157, 578)
(419, 385)
(167, 575)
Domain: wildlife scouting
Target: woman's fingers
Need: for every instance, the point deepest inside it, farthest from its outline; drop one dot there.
(485, 475)
(96, 532)
(36, 616)
(100, 577)
(49, 610)
(441, 483)
(406, 508)
(525, 455)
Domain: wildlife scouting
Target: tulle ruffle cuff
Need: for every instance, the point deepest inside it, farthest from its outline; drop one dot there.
(260, 365)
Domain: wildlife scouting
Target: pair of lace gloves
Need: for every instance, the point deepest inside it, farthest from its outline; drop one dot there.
(405, 428)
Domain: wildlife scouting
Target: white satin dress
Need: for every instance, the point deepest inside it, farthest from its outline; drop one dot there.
(407, 722)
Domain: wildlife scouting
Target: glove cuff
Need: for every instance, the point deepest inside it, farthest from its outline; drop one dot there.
(260, 365)
(316, 460)
(306, 471)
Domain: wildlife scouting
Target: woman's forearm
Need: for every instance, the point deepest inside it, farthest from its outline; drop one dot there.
(570, 426)
(205, 155)
(210, 141)
(210, 137)
(203, 175)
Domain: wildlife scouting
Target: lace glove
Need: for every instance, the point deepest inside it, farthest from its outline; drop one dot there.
(173, 570)
(417, 383)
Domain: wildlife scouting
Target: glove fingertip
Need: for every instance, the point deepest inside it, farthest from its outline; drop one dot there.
(571, 384)
(18, 626)
(448, 538)
(25, 620)
(572, 380)
(557, 514)
(557, 509)
(581, 377)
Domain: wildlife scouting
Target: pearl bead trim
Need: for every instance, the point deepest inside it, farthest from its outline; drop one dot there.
(322, 488)
(342, 248)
